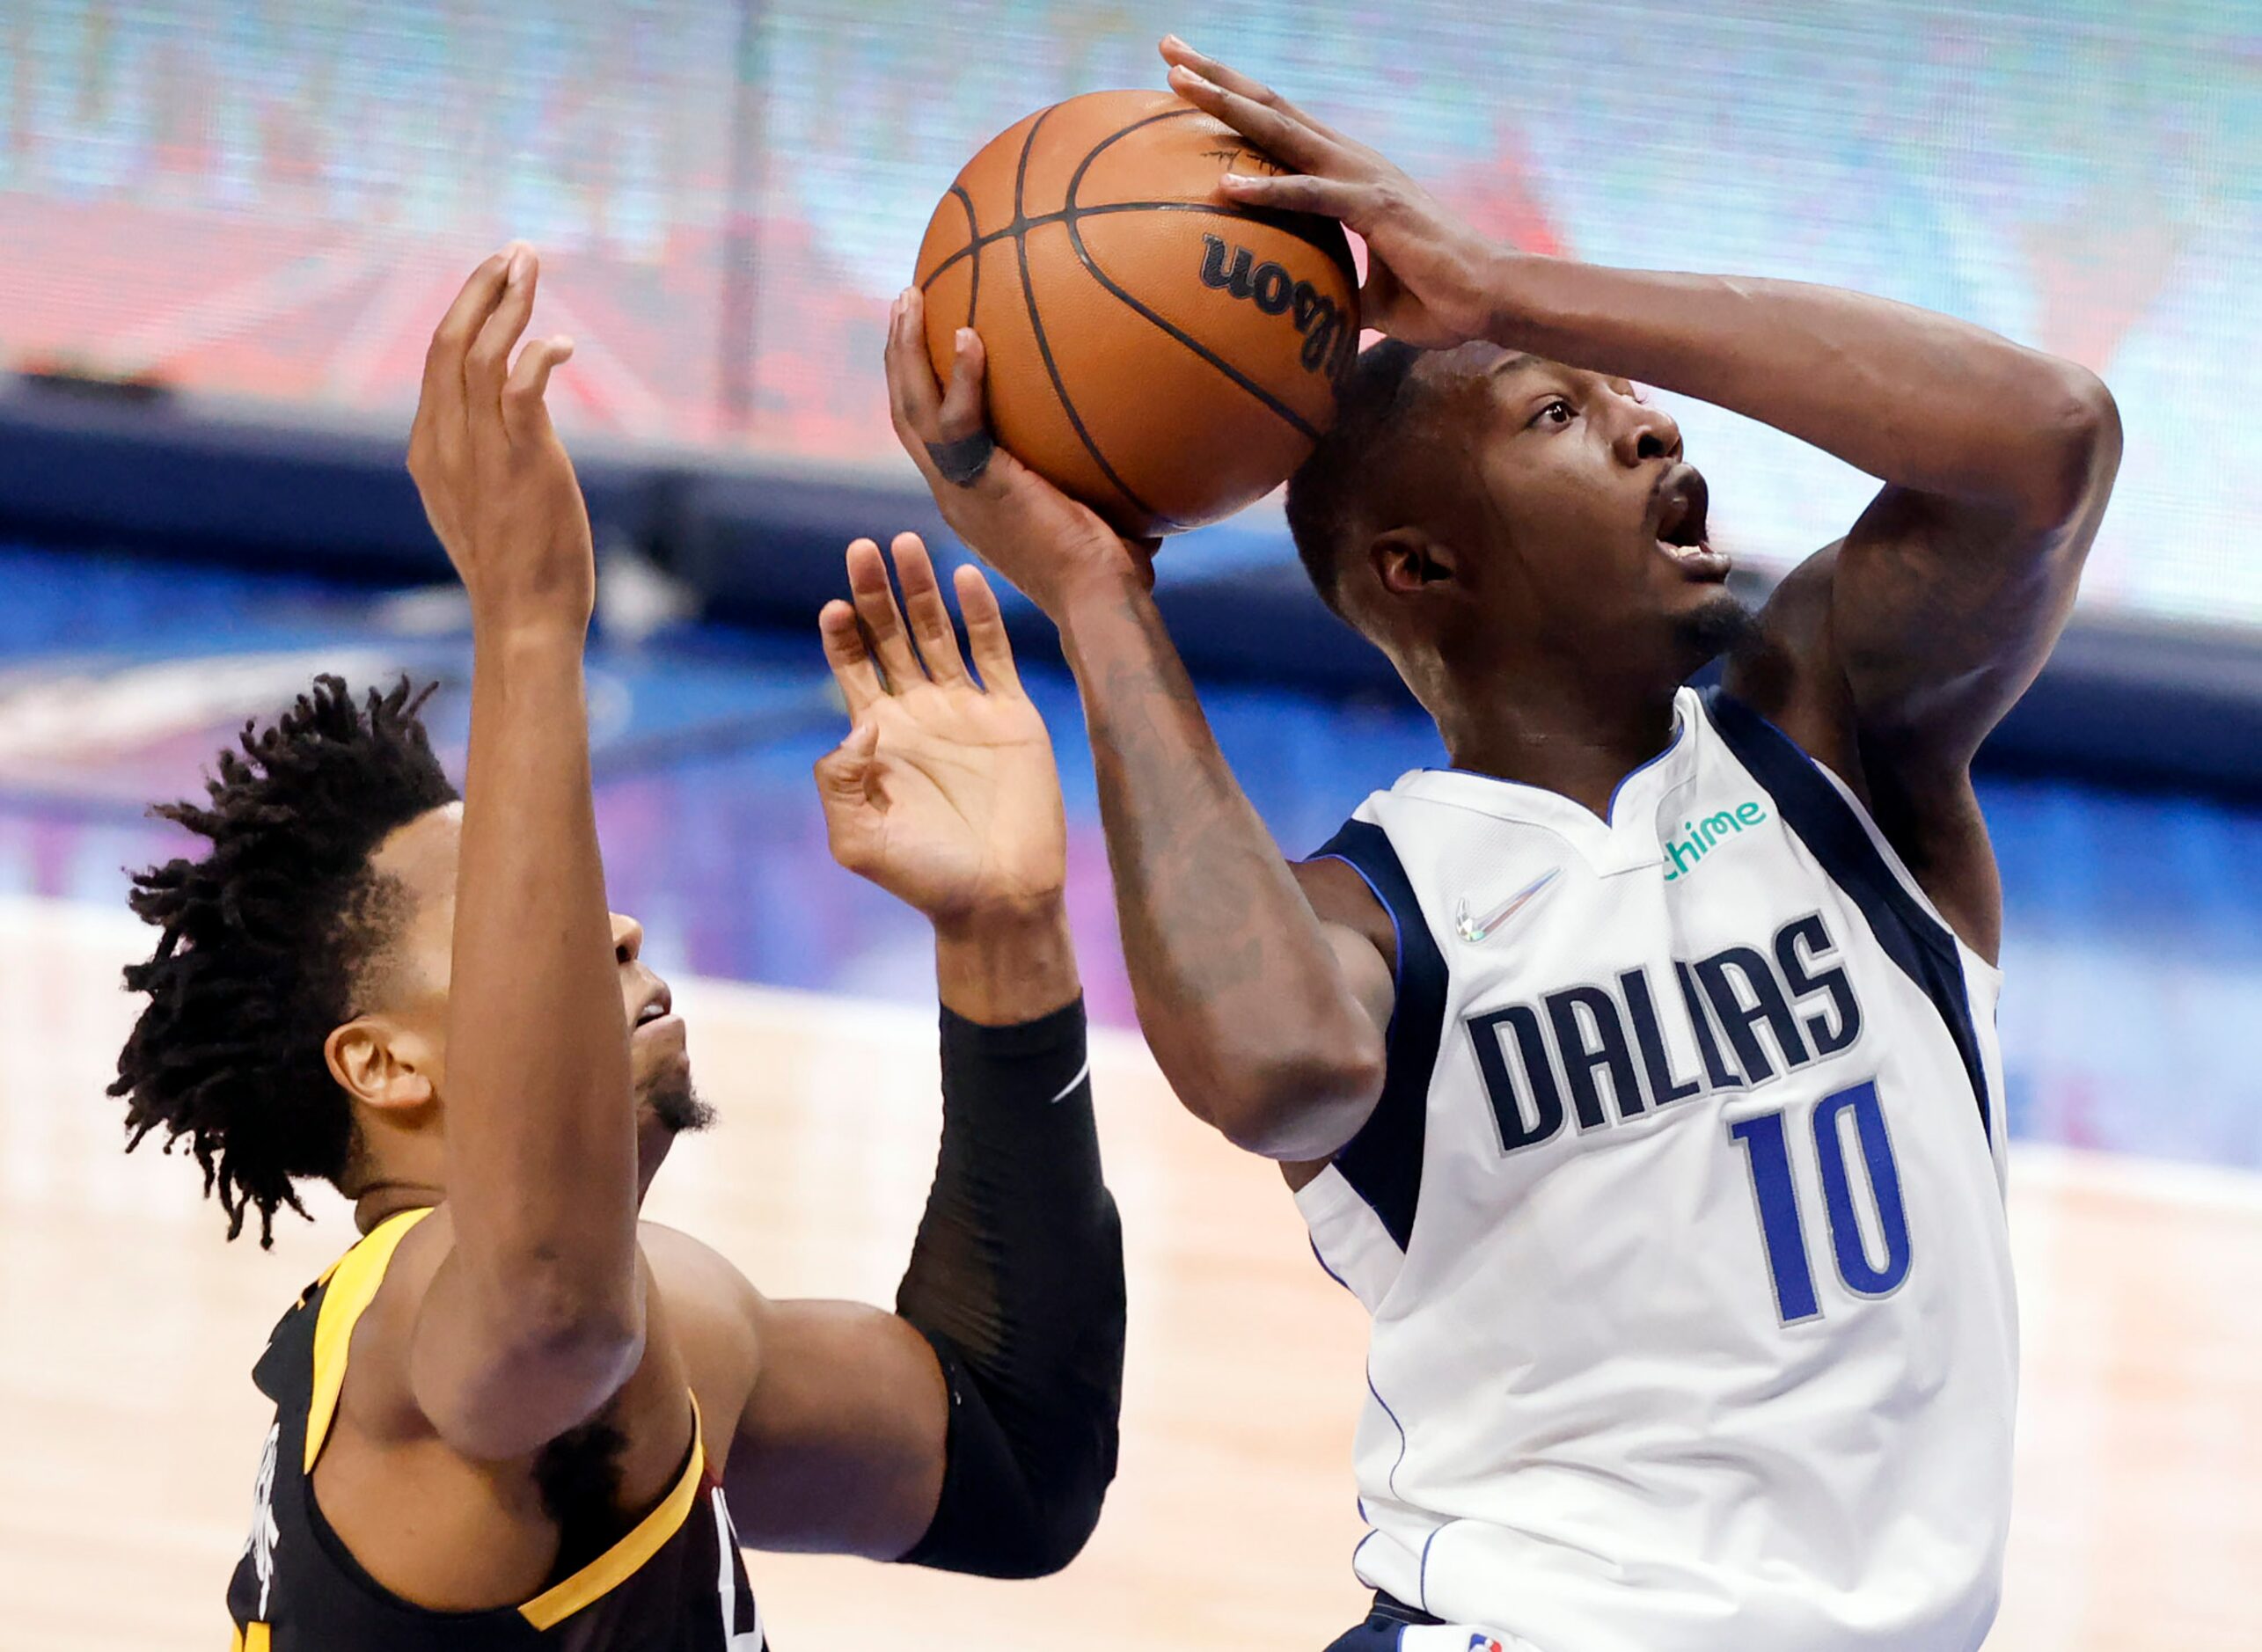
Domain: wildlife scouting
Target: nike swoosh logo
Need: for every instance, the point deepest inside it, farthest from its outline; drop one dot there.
(1479, 929)
(1069, 1089)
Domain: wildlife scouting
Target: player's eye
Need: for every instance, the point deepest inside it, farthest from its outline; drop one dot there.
(1556, 412)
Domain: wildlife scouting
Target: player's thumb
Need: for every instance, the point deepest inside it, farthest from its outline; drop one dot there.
(525, 411)
(960, 414)
(843, 772)
(1381, 296)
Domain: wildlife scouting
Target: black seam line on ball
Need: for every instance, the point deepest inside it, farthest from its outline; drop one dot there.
(1298, 224)
(1303, 225)
(1296, 420)
(974, 278)
(1044, 345)
(1023, 225)
(1309, 227)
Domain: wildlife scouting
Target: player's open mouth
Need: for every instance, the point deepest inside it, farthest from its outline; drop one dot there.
(1682, 501)
(659, 1008)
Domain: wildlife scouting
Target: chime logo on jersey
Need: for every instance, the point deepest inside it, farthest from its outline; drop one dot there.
(1752, 1016)
(1706, 835)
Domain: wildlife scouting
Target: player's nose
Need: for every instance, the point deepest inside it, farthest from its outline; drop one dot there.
(1645, 431)
(627, 938)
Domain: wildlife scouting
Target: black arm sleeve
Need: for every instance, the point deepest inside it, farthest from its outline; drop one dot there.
(1017, 1280)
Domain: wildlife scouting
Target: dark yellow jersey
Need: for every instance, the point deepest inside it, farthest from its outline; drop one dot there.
(673, 1584)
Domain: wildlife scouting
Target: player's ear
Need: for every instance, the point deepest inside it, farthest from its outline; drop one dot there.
(1408, 561)
(380, 1063)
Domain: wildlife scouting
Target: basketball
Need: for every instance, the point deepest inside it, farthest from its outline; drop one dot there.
(1158, 353)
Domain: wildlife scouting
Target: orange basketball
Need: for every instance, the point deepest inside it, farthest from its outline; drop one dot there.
(1163, 355)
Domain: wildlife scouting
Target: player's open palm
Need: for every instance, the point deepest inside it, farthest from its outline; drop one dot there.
(496, 482)
(944, 793)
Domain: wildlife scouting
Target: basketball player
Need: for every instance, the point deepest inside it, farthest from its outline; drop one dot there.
(513, 1414)
(1638, 1072)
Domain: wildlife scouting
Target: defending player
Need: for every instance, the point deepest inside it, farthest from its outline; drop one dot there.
(1637, 1073)
(510, 1415)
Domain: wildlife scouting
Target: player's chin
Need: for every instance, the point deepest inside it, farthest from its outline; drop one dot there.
(665, 1095)
(673, 1104)
(1710, 620)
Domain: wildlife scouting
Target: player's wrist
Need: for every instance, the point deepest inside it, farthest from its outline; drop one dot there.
(528, 637)
(1006, 962)
(1088, 600)
(1498, 275)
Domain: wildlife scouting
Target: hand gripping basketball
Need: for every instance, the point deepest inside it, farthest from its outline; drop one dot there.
(1431, 281)
(1051, 547)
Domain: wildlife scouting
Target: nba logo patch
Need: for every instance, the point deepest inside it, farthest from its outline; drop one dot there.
(1484, 1642)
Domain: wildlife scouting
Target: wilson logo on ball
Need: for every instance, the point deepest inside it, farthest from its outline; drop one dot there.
(1328, 340)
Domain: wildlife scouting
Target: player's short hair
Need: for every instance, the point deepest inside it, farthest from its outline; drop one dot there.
(264, 941)
(1331, 496)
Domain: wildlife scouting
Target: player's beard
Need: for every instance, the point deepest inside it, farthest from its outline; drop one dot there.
(1722, 624)
(676, 1104)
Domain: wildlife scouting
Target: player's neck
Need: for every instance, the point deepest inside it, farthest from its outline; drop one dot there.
(1575, 741)
(376, 1201)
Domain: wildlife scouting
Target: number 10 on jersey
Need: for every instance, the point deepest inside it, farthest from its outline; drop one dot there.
(1766, 1148)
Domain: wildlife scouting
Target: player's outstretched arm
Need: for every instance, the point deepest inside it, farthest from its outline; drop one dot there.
(1267, 1018)
(975, 1429)
(535, 1316)
(1900, 648)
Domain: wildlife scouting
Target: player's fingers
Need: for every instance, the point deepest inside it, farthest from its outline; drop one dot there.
(1299, 192)
(444, 357)
(883, 624)
(525, 411)
(1286, 139)
(1177, 53)
(986, 633)
(929, 614)
(852, 670)
(914, 399)
(488, 362)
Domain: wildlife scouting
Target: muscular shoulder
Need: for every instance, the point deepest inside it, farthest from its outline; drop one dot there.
(1789, 675)
(708, 1313)
(1339, 895)
(1926, 808)
(713, 1313)
(693, 1270)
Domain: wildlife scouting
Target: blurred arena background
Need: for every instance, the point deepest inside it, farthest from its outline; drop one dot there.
(225, 230)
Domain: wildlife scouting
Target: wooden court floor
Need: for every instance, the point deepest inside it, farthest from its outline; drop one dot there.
(128, 1329)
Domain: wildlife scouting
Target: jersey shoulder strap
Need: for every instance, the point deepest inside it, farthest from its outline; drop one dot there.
(1383, 1162)
(348, 1288)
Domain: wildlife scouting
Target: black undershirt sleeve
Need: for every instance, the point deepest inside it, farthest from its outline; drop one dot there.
(1017, 1280)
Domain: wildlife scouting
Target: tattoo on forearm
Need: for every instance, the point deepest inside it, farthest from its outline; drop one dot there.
(1208, 910)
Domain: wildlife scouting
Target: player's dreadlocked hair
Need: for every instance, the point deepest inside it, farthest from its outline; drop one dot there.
(261, 941)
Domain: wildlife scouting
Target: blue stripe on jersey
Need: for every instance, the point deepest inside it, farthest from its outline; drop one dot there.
(1383, 1162)
(1825, 823)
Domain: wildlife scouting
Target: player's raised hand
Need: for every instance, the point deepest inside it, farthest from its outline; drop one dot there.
(496, 483)
(1046, 542)
(944, 794)
(1430, 279)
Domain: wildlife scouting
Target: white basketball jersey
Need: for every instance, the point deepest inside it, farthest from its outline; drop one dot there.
(1679, 1219)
